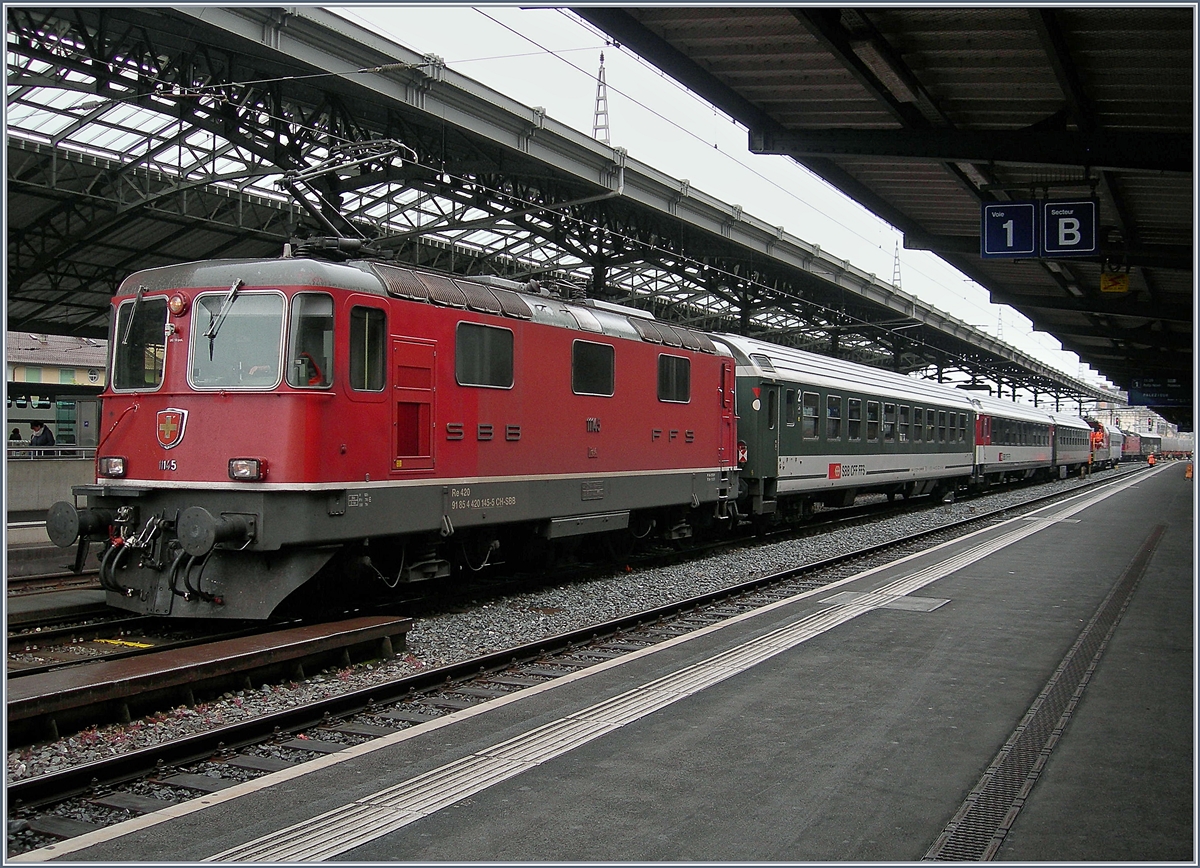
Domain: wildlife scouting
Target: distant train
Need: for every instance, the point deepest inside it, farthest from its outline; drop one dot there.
(278, 434)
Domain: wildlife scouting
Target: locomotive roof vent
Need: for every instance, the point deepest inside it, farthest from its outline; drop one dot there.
(622, 309)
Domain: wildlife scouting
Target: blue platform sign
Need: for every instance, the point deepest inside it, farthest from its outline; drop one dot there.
(1008, 230)
(1068, 228)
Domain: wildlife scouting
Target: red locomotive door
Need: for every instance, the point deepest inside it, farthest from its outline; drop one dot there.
(727, 448)
(413, 389)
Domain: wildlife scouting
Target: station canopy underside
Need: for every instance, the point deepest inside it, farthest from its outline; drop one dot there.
(149, 136)
(926, 114)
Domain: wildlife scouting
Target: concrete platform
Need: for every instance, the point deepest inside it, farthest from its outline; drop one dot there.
(848, 723)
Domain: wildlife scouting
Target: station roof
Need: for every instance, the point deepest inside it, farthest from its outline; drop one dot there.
(925, 115)
(153, 135)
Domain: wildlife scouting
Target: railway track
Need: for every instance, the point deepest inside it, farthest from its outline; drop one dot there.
(153, 777)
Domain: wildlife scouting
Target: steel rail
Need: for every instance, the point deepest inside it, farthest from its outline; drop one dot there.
(59, 786)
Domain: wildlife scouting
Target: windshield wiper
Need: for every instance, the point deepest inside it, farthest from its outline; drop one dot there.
(132, 313)
(230, 297)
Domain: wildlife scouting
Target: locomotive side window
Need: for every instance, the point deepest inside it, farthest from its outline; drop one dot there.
(872, 420)
(833, 417)
(310, 344)
(139, 344)
(368, 334)
(236, 340)
(674, 379)
(592, 368)
(812, 408)
(483, 356)
(854, 419)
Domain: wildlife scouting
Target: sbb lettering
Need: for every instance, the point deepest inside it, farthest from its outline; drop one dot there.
(484, 432)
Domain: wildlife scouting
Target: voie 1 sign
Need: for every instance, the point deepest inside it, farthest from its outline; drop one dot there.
(1009, 229)
(1068, 228)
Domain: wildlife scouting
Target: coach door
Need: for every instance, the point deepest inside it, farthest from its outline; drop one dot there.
(765, 454)
(413, 390)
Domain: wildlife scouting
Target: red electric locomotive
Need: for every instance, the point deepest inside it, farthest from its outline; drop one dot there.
(297, 425)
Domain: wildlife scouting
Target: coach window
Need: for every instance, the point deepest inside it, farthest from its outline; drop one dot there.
(812, 409)
(139, 344)
(310, 344)
(854, 419)
(889, 423)
(962, 427)
(941, 426)
(368, 359)
(592, 368)
(833, 417)
(918, 416)
(930, 424)
(904, 417)
(675, 379)
(872, 421)
(789, 408)
(483, 356)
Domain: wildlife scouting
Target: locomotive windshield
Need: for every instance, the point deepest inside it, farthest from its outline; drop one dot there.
(245, 353)
(140, 345)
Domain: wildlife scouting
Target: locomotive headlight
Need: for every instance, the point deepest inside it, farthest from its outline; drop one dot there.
(247, 469)
(178, 304)
(111, 466)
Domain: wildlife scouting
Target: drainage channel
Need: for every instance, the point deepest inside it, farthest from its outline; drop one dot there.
(978, 828)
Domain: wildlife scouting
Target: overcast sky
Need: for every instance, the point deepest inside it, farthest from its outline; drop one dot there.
(547, 57)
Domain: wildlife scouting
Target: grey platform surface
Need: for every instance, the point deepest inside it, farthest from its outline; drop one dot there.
(858, 740)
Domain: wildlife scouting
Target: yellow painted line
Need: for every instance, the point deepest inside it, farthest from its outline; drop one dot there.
(125, 644)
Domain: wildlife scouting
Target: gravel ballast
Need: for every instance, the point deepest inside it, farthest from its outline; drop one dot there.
(518, 619)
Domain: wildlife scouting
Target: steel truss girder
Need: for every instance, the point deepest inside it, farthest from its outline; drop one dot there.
(503, 194)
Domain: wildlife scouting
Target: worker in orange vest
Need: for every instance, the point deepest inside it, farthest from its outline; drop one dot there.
(1150, 459)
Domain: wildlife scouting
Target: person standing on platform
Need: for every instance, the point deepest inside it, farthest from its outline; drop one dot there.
(42, 436)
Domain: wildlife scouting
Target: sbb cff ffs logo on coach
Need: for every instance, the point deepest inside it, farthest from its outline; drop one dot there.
(843, 471)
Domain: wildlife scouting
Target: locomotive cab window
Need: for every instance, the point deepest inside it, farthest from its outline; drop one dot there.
(310, 343)
(368, 359)
(483, 356)
(674, 379)
(237, 338)
(139, 344)
(592, 368)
